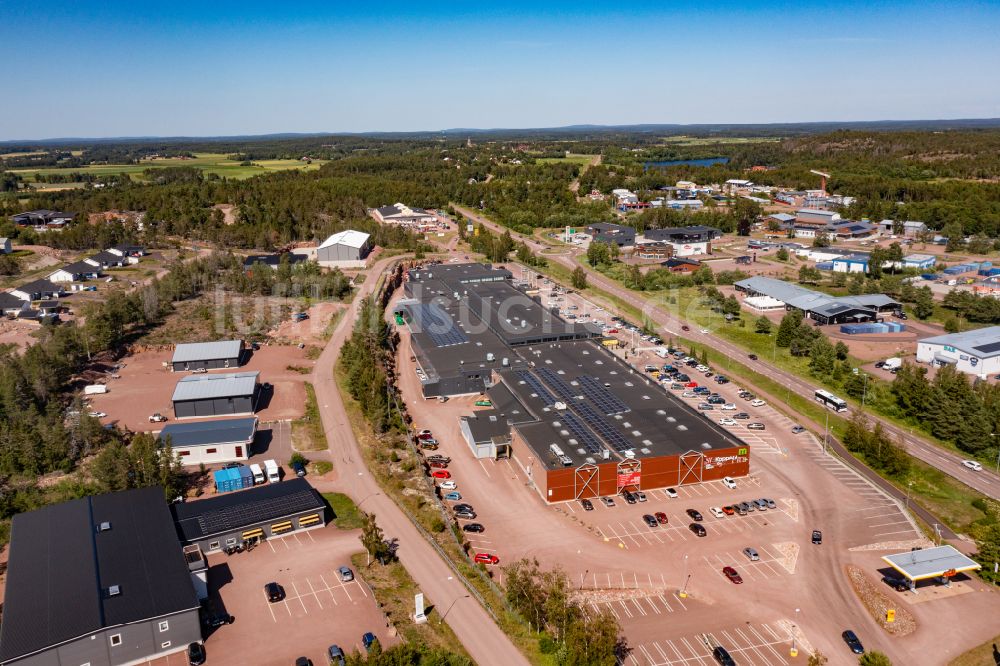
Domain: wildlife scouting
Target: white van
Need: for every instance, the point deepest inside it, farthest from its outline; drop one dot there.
(273, 475)
(258, 474)
(662, 352)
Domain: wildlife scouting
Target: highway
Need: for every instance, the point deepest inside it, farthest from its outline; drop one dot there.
(482, 638)
(985, 481)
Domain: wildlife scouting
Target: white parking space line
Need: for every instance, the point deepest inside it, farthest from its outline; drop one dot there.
(270, 610)
(315, 596)
(299, 597)
(330, 590)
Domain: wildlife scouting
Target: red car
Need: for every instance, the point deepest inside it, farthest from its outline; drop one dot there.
(612, 330)
(728, 510)
(685, 327)
(661, 517)
(441, 474)
(425, 434)
(731, 574)
(691, 385)
(439, 464)
(486, 558)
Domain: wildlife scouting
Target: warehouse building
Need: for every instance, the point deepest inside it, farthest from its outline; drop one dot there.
(764, 293)
(99, 580)
(975, 352)
(210, 442)
(577, 419)
(684, 241)
(345, 249)
(263, 512)
(216, 395)
(207, 355)
(612, 234)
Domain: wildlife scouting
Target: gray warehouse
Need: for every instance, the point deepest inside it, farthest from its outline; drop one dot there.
(207, 355)
(347, 245)
(259, 513)
(100, 581)
(216, 395)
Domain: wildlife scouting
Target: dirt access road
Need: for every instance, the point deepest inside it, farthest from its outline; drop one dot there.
(985, 482)
(483, 640)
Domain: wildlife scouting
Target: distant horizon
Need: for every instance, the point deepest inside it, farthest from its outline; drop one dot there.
(962, 123)
(125, 69)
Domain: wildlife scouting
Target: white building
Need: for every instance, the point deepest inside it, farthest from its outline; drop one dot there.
(402, 214)
(210, 442)
(5, 247)
(972, 352)
(345, 249)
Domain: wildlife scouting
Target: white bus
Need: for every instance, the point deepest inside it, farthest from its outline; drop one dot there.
(830, 400)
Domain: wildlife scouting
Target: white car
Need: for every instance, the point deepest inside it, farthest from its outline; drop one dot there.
(757, 403)
(729, 407)
(973, 465)
(671, 493)
(448, 485)
(717, 512)
(688, 394)
(704, 331)
(727, 422)
(729, 482)
(702, 368)
(97, 415)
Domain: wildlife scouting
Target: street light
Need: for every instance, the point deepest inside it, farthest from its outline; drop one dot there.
(795, 628)
(453, 602)
(864, 392)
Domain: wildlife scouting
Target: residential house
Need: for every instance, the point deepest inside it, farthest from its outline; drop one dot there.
(11, 305)
(43, 220)
(5, 247)
(75, 272)
(681, 265)
(38, 290)
(107, 259)
(133, 252)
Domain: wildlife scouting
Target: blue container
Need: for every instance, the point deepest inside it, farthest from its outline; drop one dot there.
(929, 276)
(245, 476)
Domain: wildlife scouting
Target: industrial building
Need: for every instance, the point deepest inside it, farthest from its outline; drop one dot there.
(207, 355)
(612, 234)
(345, 248)
(210, 442)
(403, 215)
(975, 352)
(99, 580)
(216, 395)
(764, 293)
(263, 512)
(578, 420)
(684, 241)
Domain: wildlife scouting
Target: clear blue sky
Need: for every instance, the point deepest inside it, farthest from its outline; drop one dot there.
(218, 67)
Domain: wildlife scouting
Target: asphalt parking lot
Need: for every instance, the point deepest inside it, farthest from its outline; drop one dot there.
(764, 644)
(318, 609)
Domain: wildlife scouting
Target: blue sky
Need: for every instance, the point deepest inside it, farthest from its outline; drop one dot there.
(218, 67)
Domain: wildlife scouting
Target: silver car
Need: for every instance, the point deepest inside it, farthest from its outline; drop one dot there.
(346, 575)
(771, 504)
(751, 554)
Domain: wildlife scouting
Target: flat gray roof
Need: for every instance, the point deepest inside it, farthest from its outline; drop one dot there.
(980, 342)
(930, 562)
(207, 351)
(208, 433)
(206, 387)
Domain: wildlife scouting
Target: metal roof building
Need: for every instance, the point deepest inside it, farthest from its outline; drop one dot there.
(975, 352)
(816, 305)
(267, 511)
(216, 395)
(346, 245)
(927, 563)
(98, 580)
(209, 442)
(207, 355)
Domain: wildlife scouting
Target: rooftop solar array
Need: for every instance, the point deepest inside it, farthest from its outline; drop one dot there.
(439, 325)
(241, 515)
(537, 387)
(601, 426)
(604, 399)
(988, 348)
(580, 432)
(562, 389)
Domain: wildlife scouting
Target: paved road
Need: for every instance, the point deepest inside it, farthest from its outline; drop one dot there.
(985, 481)
(483, 640)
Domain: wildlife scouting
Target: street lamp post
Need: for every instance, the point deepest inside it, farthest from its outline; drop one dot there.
(795, 628)
(453, 602)
(687, 578)
(826, 430)
(909, 485)
(864, 392)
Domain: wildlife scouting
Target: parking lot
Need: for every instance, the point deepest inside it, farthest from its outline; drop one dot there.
(318, 608)
(766, 644)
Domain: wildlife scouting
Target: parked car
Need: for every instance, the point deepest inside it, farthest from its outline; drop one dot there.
(740, 509)
(770, 503)
(722, 656)
(728, 510)
(796, 429)
(650, 520)
(465, 514)
(895, 583)
(368, 640)
(732, 575)
(661, 517)
(639, 495)
(607, 501)
(274, 592)
(587, 505)
(473, 527)
(157, 418)
(453, 496)
(629, 497)
(447, 485)
(685, 327)
(437, 464)
(299, 469)
(695, 515)
(437, 457)
(441, 474)
(671, 493)
(751, 554)
(727, 422)
(346, 575)
(756, 426)
(705, 407)
(729, 407)
(852, 641)
(717, 512)
(742, 416)
(429, 444)
(336, 655)
(699, 530)
(196, 654)
(817, 537)
(486, 558)
(757, 403)
(746, 506)
(424, 434)
(97, 415)
(753, 357)
(729, 482)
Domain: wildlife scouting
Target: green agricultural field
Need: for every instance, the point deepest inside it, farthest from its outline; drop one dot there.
(216, 163)
(569, 159)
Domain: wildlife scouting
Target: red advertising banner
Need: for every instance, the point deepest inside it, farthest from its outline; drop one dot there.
(628, 479)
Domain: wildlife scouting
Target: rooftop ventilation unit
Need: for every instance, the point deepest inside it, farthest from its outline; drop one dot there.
(104, 527)
(560, 406)
(114, 590)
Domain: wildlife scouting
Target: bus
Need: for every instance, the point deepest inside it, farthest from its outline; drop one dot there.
(830, 400)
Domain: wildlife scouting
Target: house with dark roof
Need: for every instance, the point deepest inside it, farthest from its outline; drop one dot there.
(216, 395)
(11, 305)
(262, 512)
(272, 260)
(38, 290)
(43, 219)
(128, 251)
(402, 214)
(107, 259)
(681, 265)
(615, 234)
(97, 580)
(76, 272)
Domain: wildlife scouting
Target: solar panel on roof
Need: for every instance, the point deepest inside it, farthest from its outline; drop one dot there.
(241, 515)
(601, 426)
(562, 389)
(537, 387)
(580, 432)
(988, 348)
(439, 326)
(606, 401)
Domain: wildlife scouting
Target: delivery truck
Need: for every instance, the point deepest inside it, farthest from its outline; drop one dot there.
(258, 474)
(273, 474)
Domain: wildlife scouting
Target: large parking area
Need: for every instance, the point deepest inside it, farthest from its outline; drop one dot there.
(759, 644)
(318, 608)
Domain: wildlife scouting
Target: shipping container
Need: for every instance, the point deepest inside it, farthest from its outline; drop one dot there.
(95, 388)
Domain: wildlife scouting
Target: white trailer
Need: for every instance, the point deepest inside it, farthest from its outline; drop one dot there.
(95, 388)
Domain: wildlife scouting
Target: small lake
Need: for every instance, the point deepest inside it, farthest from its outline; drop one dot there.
(708, 161)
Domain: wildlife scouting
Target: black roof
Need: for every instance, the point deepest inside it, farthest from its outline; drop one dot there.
(61, 566)
(695, 232)
(8, 300)
(234, 511)
(81, 267)
(40, 287)
(207, 433)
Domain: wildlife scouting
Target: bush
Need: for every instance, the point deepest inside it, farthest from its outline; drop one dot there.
(546, 645)
(298, 458)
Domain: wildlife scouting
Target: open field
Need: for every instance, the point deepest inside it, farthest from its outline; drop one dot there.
(569, 159)
(210, 163)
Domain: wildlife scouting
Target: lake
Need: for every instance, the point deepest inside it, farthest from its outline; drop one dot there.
(708, 161)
